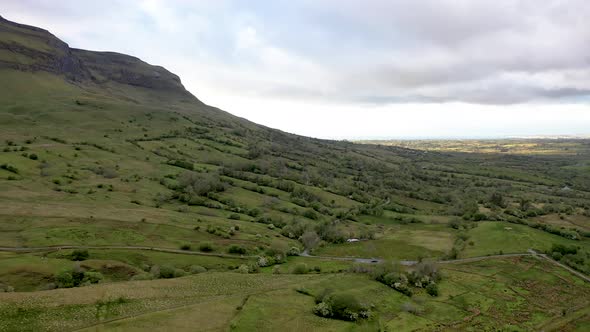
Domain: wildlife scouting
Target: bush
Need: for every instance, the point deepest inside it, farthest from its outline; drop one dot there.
(155, 271)
(564, 249)
(9, 168)
(64, 279)
(196, 269)
(235, 249)
(75, 277)
(79, 255)
(300, 268)
(6, 288)
(206, 247)
(263, 261)
(323, 309)
(432, 289)
(179, 273)
(33, 156)
(243, 269)
(166, 271)
(92, 277)
(293, 251)
(341, 306)
(185, 246)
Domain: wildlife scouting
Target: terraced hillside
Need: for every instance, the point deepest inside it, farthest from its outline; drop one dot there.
(104, 151)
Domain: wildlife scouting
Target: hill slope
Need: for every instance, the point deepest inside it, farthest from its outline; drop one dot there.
(91, 134)
(103, 149)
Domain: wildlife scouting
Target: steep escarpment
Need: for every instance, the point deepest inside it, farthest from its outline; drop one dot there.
(125, 69)
(32, 49)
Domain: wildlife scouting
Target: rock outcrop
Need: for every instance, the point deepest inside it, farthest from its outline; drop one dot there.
(29, 48)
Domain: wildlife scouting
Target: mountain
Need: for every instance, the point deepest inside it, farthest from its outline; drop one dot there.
(102, 150)
(31, 49)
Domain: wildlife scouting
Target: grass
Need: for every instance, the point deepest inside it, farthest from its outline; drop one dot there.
(109, 171)
(492, 294)
(493, 237)
(398, 242)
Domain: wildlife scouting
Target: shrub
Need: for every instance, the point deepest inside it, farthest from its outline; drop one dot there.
(92, 277)
(196, 184)
(185, 246)
(323, 309)
(178, 273)
(564, 249)
(556, 255)
(9, 168)
(166, 271)
(310, 240)
(293, 251)
(196, 269)
(206, 247)
(64, 279)
(155, 271)
(432, 289)
(311, 214)
(263, 261)
(341, 306)
(235, 249)
(243, 269)
(300, 268)
(33, 156)
(79, 255)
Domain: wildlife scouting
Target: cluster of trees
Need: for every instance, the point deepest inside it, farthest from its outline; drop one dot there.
(76, 276)
(573, 256)
(424, 275)
(167, 271)
(344, 306)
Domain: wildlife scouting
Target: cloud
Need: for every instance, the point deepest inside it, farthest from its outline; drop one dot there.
(343, 54)
(346, 51)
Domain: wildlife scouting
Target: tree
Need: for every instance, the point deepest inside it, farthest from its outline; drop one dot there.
(432, 289)
(196, 184)
(64, 279)
(80, 255)
(525, 204)
(310, 240)
(498, 200)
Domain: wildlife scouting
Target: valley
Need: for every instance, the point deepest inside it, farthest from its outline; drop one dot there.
(126, 203)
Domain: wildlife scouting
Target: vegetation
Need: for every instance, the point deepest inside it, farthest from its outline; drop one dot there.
(340, 306)
(157, 186)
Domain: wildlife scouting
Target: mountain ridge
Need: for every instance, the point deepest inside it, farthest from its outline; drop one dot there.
(40, 50)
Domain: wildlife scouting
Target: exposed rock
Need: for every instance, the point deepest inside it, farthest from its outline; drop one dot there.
(33, 49)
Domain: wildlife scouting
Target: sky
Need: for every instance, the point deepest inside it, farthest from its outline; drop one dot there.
(365, 69)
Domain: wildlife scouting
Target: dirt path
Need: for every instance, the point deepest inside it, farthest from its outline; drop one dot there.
(168, 250)
(305, 253)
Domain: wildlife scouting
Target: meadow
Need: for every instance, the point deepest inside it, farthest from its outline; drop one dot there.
(507, 294)
(127, 204)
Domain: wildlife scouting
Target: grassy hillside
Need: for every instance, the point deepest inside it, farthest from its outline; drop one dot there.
(103, 150)
(488, 295)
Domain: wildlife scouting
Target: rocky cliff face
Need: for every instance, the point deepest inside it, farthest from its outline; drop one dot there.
(28, 48)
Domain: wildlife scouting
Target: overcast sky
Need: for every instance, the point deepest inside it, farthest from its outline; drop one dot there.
(355, 69)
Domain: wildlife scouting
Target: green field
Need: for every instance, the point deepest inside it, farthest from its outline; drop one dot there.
(197, 218)
(492, 294)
